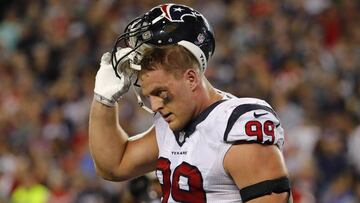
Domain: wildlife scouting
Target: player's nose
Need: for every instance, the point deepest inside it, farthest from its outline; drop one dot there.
(156, 103)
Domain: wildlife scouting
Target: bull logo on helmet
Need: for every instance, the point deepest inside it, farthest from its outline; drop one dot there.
(175, 13)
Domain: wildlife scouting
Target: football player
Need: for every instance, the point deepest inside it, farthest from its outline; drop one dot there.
(205, 145)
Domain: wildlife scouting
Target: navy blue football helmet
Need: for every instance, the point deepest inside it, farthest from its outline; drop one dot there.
(168, 24)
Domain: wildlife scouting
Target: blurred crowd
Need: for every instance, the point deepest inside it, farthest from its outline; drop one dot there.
(302, 56)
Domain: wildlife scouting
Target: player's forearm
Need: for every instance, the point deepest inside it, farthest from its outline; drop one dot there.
(107, 141)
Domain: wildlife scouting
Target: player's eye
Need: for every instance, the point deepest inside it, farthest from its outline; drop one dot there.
(163, 94)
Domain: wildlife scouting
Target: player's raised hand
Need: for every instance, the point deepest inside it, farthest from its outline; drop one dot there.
(108, 87)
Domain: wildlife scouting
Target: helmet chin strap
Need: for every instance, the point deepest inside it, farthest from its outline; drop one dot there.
(140, 102)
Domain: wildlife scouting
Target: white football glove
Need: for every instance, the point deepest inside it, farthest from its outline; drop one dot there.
(109, 88)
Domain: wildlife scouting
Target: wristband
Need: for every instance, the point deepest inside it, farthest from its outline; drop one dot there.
(105, 101)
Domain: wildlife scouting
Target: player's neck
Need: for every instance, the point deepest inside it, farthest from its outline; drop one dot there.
(207, 95)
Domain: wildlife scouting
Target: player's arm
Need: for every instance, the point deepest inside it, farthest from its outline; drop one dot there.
(251, 164)
(254, 160)
(116, 156)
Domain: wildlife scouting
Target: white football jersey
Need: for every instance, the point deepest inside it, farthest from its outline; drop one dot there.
(190, 165)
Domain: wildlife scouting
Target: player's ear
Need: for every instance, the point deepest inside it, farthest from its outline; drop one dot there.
(192, 78)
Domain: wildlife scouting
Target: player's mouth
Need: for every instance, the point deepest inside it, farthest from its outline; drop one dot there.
(167, 117)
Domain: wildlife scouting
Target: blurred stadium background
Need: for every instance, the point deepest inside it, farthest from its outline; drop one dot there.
(302, 56)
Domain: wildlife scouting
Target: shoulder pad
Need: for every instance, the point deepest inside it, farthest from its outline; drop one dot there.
(254, 123)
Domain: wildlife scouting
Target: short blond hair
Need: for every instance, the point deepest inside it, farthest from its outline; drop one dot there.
(172, 58)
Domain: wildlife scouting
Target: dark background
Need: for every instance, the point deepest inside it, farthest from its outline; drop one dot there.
(302, 56)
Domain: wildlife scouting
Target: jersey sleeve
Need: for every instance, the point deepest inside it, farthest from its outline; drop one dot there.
(254, 123)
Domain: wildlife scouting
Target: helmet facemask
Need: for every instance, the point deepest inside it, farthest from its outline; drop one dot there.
(130, 37)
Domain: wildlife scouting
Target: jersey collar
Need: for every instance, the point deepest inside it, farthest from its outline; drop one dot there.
(189, 129)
